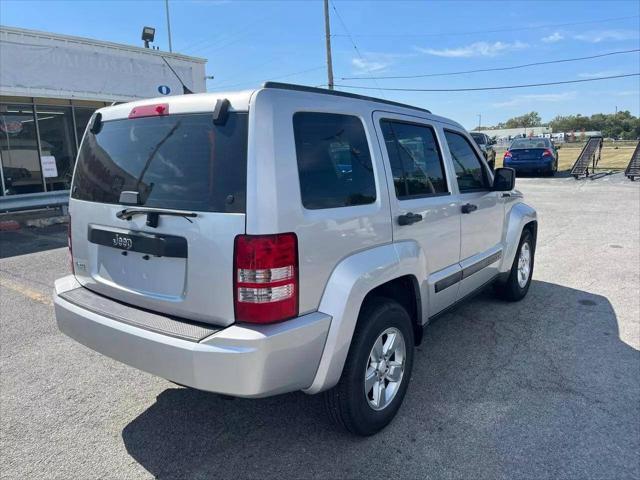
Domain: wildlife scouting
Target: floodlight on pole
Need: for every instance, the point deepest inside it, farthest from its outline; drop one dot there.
(148, 34)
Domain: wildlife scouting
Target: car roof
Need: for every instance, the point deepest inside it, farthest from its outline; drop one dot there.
(240, 100)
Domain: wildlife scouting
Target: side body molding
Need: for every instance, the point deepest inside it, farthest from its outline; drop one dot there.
(517, 217)
(351, 280)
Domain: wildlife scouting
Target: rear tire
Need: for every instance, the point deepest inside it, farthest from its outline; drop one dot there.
(519, 280)
(370, 392)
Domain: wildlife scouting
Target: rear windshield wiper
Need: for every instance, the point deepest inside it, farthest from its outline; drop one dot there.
(153, 214)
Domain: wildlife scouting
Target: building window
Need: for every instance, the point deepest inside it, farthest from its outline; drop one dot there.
(57, 145)
(83, 115)
(21, 170)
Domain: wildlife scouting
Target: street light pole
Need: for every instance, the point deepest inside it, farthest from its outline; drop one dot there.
(166, 5)
(327, 35)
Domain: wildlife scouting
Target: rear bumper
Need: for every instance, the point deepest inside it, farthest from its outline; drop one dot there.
(531, 166)
(240, 360)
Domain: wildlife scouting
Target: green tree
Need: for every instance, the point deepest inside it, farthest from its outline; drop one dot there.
(531, 119)
(616, 125)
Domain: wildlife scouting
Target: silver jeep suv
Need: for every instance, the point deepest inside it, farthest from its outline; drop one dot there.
(286, 238)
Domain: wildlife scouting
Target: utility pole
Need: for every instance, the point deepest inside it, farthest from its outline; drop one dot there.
(166, 5)
(479, 120)
(327, 35)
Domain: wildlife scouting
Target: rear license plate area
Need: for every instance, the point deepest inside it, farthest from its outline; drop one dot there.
(131, 241)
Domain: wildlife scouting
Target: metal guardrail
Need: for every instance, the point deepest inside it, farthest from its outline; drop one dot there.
(30, 201)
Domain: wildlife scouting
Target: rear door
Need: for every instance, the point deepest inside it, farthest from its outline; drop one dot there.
(482, 213)
(187, 176)
(423, 208)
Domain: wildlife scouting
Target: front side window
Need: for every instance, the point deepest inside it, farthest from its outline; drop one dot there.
(334, 162)
(415, 159)
(470, 174)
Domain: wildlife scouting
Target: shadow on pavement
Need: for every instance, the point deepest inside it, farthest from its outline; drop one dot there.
(32, 240)
(540, 388)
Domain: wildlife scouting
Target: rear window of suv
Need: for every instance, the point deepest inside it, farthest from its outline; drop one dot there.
(334, 162)
(182, 162)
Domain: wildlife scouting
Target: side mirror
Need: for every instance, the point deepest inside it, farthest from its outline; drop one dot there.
(504, 179)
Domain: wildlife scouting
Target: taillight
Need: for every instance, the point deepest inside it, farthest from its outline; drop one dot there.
(547, 153)
(265, 277)
(507, 154)
(156, 110)
(70, 245)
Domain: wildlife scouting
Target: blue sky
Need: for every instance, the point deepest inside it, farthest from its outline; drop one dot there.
(247, 42)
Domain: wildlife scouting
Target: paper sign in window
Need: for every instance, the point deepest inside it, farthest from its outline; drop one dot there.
(49, 168)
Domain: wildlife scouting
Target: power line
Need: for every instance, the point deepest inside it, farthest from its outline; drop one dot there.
(364, 62)
(496, 69)
(454, 34)
(504, 87)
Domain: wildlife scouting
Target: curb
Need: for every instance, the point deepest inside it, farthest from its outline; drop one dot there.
(46, 222)
(9, 225)
(13, 225)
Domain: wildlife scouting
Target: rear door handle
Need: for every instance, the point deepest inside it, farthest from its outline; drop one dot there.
(409, 218)
(469, 207)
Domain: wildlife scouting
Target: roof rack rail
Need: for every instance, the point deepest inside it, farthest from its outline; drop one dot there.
(337, 93)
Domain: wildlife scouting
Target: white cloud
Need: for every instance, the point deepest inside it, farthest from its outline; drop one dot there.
(477, 49)
(603, 73)
(376, 61)
(362, 65)
(553, 38)
(536, 97)
(597, 36)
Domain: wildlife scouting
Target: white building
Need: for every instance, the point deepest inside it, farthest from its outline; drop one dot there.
(505, 135)
(51, 84)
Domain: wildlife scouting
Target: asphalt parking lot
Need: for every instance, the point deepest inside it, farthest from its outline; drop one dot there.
(545, 388)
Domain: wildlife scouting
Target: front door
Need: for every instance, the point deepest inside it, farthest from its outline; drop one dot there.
(423, 207)
(482, 213)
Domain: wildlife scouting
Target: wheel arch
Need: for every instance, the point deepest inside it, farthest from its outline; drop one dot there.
(406, 291)
(375, 272)
(520, 216)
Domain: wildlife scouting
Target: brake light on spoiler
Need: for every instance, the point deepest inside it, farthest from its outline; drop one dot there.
(155, 110)
(266, 277)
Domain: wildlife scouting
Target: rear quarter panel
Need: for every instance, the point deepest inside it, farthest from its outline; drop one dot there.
(274, 205)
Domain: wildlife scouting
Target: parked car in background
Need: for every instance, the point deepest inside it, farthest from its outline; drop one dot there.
(307, 254)
(486, 145)
(532, 155)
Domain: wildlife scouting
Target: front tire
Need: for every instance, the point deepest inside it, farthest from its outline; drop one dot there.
(377, 370)
(519, 280)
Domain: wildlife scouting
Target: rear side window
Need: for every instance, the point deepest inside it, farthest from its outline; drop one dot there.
(469, 172)
(182, 162)
(334, 162)
(415, 159)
